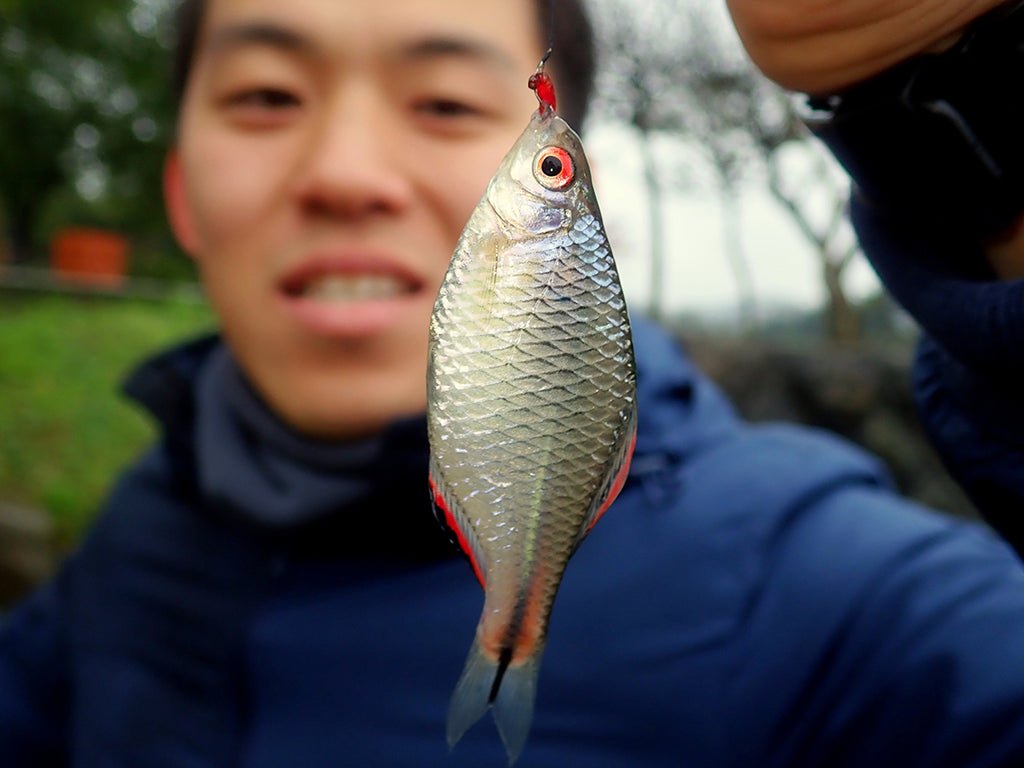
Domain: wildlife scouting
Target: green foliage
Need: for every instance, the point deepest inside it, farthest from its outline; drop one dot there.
(65, 430)
(85, 117)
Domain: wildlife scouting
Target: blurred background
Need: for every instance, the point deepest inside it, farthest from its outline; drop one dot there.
(726, 218)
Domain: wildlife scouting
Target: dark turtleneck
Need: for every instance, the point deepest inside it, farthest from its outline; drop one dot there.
(367, 497)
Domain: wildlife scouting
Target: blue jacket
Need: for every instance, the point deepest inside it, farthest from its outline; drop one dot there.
(756, 597)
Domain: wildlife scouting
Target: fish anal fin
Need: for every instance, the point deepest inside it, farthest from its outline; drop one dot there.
(615, 481)
(449, 514)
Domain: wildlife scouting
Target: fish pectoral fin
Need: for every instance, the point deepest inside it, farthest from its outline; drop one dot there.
(510, 688)
(615, 480)
(450, 516)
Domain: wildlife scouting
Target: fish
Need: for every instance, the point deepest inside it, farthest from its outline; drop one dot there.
(532, 406)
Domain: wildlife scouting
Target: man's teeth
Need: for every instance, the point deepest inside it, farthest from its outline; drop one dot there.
(354, 287)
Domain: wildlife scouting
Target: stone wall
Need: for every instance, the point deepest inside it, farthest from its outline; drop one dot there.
(863, 395)
(27, 550)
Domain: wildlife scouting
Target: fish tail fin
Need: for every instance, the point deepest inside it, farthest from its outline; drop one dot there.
(510, 688)
(472, 693)
(513, 705)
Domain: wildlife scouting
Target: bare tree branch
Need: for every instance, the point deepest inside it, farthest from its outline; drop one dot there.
(671, 68)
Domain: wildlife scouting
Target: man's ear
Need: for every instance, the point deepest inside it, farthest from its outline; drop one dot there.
(179, 213)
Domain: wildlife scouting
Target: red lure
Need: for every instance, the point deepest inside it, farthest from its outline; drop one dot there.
(541, 83)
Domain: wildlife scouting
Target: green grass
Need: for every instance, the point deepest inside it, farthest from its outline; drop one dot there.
(65, 429)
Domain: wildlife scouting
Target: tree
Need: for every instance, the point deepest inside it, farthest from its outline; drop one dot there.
(655, 78)
(828, 230)
(676, 67)
(85, 111)
(724, 103)
(753, 128)
(639, 84)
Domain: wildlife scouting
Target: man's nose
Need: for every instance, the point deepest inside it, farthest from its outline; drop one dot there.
(351, 164)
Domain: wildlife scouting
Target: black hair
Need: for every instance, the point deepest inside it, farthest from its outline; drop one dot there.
(571, 39)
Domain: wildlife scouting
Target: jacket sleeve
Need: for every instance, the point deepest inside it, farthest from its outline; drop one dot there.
(978, 429)
(884, 634)
(968, 374)
(34, 684)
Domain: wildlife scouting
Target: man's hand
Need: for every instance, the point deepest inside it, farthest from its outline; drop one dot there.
(821, 46)
(1006, 253)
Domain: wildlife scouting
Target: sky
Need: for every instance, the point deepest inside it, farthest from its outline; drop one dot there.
(784, 268)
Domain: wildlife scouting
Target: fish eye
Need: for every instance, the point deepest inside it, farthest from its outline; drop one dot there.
(554, 168)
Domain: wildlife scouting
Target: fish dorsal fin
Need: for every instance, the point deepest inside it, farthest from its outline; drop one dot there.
(449, 514)
(615, 479)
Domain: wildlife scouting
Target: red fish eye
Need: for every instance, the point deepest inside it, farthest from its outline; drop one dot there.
(554, 168)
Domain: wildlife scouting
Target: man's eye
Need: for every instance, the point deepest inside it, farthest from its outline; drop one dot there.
(264, 98)
(262, 108)
(447, 108)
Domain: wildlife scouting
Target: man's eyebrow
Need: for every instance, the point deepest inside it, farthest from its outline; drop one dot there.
(443, 47)
(257, 33)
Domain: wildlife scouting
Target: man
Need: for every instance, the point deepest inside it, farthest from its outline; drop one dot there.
(268, 588)
(915, 98)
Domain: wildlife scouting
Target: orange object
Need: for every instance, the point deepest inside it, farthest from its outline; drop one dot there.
(93, 256)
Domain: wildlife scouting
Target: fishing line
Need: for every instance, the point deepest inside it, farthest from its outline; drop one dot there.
(539, 81)
(551, 31)
(551, 37)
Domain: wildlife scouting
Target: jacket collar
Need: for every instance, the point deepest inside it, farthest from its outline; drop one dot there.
(680, 413)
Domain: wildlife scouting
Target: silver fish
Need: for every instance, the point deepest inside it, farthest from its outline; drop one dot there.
(531, 406)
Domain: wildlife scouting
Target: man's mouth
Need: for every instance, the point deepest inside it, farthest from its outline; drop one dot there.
(356, 287)
(352, 297)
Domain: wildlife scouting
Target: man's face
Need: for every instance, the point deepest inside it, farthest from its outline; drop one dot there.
(329, 154)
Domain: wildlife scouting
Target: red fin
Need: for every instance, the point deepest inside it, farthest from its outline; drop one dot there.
(455, 522)
(616, 480)
(617, 484)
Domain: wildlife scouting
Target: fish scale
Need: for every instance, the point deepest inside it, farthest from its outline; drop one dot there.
(531, 407)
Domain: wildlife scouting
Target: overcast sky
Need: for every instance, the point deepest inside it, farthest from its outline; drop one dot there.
(784, 268)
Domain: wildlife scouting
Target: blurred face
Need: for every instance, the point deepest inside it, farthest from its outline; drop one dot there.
(329, 154)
